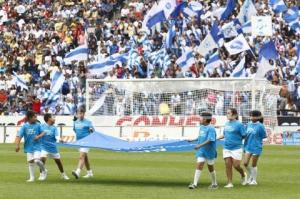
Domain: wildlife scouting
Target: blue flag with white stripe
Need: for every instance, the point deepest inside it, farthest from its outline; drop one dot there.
(247, 11)
(230, 6)
(78, 54)
(277, 5)
(240, 70)
(212, 63)
(268, 50)
(292, 18)
(57, 80)
(19, 81)
(106, 64)
(186, 60)
(170, 35)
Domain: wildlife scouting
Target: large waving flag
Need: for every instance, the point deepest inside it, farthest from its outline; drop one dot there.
(224, 12)
(57, 80)
(247, 11)
(240, 70)
(102, 141)
(211, 40)
(277, 5)
(237, 45)
(292, 18)
(19, 81)
(159, 13)
(297, 67)
(170, 35)
(107, 64)
(266, 53)
(78, 54)
(212, 63)
(186, 60)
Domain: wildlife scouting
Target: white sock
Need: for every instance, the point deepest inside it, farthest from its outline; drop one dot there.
(40, 164)
(78, 171)
(249, 169)
(254, 173)
(197, 176)
(31, 170)
(213, 176)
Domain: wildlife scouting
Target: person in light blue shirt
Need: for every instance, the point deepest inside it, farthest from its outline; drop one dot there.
(48, 143)
(255, 134)
(234, 133)
(32, 147)
(206, 150)
(82, 128)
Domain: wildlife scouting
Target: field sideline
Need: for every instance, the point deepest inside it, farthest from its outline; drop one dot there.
(148, 175)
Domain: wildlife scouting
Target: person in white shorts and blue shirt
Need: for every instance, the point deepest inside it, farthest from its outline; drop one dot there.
(32, 147)
(206, 150)
(234, 133)
(48, 143)
(253, 144)
(82, 128)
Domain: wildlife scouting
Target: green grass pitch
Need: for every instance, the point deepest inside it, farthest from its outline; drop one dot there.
(148, 175)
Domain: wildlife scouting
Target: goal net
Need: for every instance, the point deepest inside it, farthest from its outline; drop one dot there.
(181, 97)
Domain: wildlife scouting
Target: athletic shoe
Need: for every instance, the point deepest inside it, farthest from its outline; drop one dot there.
(253, 183)
(249, 180)
(89, 175)
(30, 180)
(230, 185)
(41, 177)
(75, 174)
(65, 177)
(244, 180)
(192, 186)
(44, 175)
(213, 186)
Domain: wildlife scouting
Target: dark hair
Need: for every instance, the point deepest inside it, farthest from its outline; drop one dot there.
(258, 115)
(234, 112)
(207, 116)
(47, 116)
(30, 114)
(81, 109)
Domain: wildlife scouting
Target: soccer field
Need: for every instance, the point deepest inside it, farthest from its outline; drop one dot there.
(148, 175)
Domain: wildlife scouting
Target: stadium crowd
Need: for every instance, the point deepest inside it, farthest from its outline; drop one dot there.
(36, 35)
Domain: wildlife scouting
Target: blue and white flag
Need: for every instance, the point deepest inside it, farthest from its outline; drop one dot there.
(212, 63)
(229, 30)
(237, 45)
(159, 13)
(19, 81)
(247, 11)
(210, 42)
(155, 15)
(264, 66)
(186, 60)
(224, 12)
(247, 27)
(78, 54)
(277, 5)
(297, 67)
(292, 18)
(133, 59)
(195, 6)
(57, 80)
(240, 70)
(268, 51)
(106, 65)
(170, 35)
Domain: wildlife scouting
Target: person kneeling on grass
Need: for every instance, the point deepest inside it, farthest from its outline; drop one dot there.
(48, 143)
(82, 128)
(255, 134)
(206, 150)
(32, 147)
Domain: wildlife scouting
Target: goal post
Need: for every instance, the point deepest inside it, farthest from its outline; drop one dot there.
(180, 97)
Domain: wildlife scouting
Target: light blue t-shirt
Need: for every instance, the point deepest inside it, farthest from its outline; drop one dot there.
(234, 132)
(48, 141)
(255, 134)
(81, 128)
(29, 132)
(207, 133)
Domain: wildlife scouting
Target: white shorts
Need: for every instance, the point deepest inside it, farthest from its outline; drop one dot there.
(235, 154)
(247, 152)
(45, 154)
(84, 150)
(33, 156)
(202, 159)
